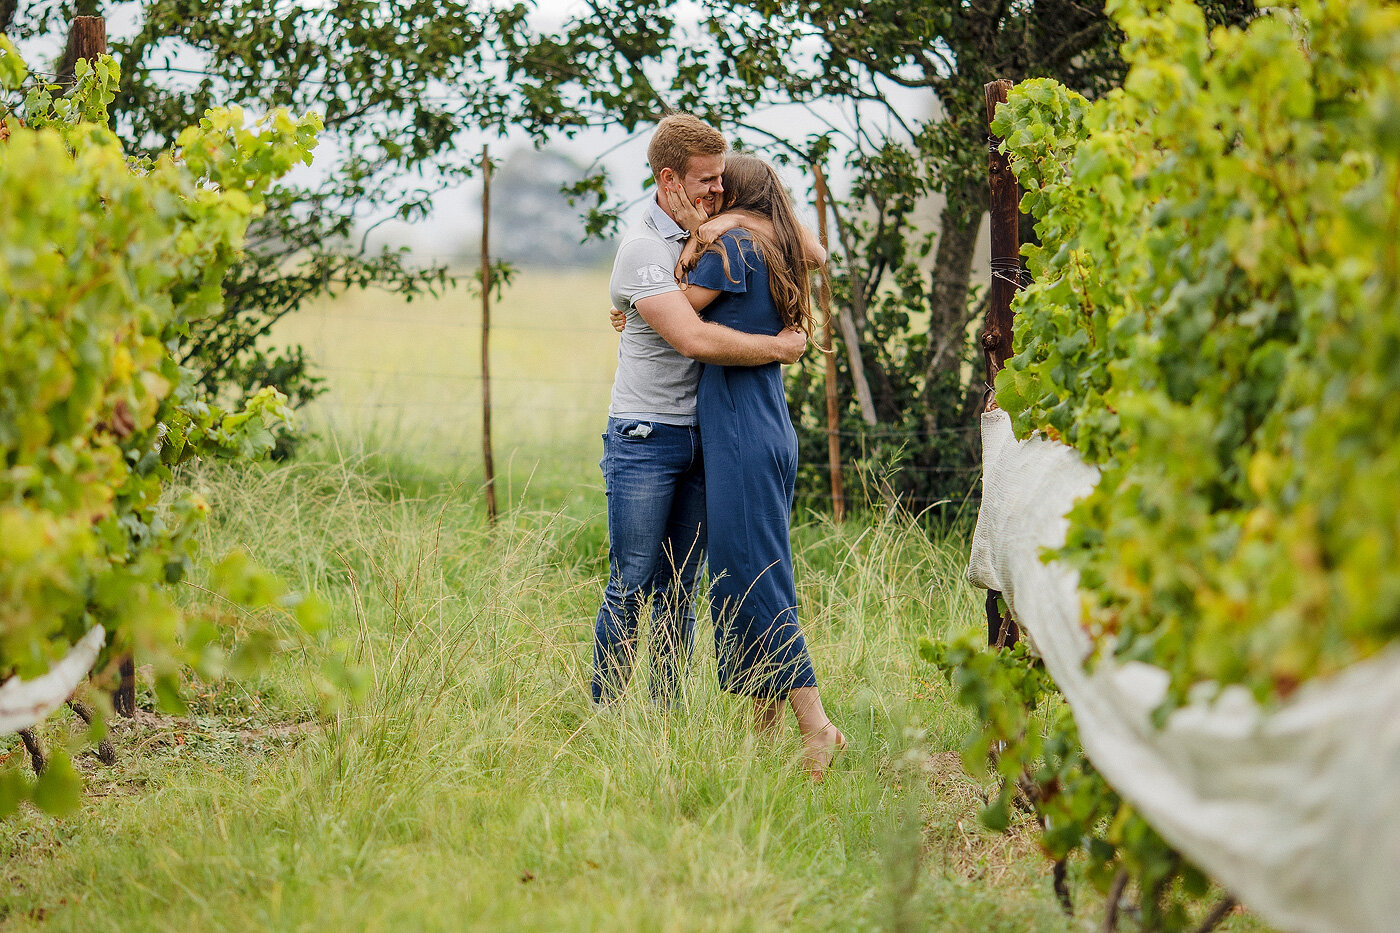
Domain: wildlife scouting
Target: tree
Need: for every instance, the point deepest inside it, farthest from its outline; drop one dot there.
(393, 83)
(907, 291)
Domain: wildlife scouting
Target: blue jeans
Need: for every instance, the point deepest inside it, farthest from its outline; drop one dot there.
(656, 543)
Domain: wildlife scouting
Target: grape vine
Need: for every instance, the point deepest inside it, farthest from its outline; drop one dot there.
(1214, 322)
(105, 260)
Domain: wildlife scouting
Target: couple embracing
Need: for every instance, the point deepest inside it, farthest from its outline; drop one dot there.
(700, 452)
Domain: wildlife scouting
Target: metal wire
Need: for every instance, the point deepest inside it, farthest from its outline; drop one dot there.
(1010, 269)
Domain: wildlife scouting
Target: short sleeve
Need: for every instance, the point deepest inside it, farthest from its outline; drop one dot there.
(644, 268)
(709, 271)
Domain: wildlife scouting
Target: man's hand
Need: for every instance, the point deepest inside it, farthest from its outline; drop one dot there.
(617, 319)
(792, 343)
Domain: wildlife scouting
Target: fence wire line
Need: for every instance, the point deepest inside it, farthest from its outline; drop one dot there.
(602, 331)
(449, 410)
(461, 377)
(558, 415)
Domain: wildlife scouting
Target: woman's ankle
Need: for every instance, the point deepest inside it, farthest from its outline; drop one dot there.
(768, 716)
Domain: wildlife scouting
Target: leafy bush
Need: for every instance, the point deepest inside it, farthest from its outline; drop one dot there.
(106, 262)
(1215, 323)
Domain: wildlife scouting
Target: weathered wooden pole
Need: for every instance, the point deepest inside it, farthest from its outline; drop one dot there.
(833, 417)
(87, 39)
(489, 465)
(1006, 242)
(1006, 279)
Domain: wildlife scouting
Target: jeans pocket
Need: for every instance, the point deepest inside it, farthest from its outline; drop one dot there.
(634, 431)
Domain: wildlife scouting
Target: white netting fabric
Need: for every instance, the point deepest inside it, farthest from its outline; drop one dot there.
(24, 703)
(1296, 810)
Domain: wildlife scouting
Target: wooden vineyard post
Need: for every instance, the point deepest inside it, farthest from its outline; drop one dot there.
(833, 417)
(1006, 242)
(1006, 280)
(489, 466)
(87, 38)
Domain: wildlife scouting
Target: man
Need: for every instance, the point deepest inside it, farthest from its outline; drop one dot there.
(652, 463)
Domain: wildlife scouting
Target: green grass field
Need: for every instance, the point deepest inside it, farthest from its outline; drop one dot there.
(473, 787)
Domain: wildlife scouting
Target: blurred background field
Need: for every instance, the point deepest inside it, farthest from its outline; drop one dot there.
(404, 381)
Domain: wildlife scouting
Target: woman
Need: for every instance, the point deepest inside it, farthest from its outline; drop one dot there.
(755, 278)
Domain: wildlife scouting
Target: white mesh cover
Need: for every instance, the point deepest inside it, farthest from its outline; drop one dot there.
(1296, 810)
(24, 703)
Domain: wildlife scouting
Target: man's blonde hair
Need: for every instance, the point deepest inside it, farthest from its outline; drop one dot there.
(680, 136)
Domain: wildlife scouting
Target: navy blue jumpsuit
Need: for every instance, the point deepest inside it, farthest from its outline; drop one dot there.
(750, 453)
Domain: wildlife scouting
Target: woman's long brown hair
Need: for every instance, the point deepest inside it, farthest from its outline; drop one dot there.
(751, 184)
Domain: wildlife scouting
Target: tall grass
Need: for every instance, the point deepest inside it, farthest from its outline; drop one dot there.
(473, 786)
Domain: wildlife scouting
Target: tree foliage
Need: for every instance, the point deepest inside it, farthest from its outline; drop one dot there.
(1229, 364)
(392, 83)
(911, 79)
(395, 82)
(109, 260)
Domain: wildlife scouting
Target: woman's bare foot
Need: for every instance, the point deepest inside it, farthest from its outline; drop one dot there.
(820, 748)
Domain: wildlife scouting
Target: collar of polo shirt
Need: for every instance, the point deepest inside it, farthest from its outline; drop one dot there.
(662, 223)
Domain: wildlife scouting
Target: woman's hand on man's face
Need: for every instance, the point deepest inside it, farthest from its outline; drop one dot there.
(689, 214)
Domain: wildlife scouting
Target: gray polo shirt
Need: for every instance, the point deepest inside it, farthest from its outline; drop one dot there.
(653, 382)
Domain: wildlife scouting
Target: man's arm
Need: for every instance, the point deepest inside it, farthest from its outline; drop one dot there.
(671, 315)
